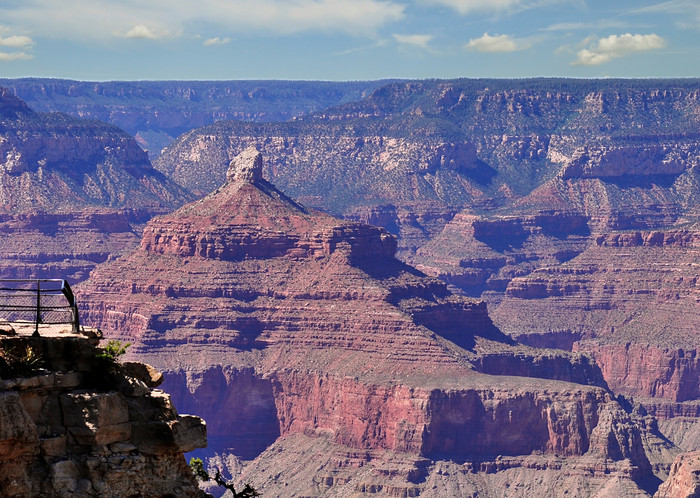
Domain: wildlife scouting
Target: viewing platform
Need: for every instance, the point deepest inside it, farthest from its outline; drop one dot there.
(40, 308)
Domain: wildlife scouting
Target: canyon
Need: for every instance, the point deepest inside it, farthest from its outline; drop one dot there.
(568, 208)
(571, 208)
(287, 328)
(156, 112)
(73, 192)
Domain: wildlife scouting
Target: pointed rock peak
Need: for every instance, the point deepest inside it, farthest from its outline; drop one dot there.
(246, 167)
(12, 107)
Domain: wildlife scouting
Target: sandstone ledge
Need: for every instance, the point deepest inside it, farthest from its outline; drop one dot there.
(72, 427)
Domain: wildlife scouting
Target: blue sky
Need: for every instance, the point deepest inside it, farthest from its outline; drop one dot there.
(348, 39)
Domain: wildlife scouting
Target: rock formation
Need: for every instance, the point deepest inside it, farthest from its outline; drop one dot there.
(570, 207)
(284, 326)
(685, 478)
(72, 192)
(155, 112)
(70, 426)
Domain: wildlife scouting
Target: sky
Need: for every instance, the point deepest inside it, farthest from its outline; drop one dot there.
(99, 40)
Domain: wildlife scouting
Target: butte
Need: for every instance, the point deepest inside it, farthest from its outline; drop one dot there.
(332, 368)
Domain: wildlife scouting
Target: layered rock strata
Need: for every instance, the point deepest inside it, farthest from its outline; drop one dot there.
(73, 428)
(308, 325)
(155, 112)
(630, 300)
(72, 192)
(685, 478)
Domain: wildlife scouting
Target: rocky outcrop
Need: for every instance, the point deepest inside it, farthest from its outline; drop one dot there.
(480, 254)
(72, 193)
(606, 162)
(629, 300)
(684, 480)
(75, 426)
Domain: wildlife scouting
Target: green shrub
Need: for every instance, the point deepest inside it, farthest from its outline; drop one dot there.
(16, 362)
(197, 467)
(113, 350)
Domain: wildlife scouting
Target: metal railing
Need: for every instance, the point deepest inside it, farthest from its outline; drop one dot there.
(41, 302)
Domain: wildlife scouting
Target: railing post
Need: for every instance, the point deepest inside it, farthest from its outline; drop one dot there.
(38, 309)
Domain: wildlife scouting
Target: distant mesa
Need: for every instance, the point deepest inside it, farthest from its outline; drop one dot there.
(71, 192)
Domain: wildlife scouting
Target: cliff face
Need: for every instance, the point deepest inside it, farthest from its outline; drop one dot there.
(311, 326)
(63, 245)
(55, 162)
(155, 112)
(684, 479)
(72, 192)
(71, 428)
(630, 300)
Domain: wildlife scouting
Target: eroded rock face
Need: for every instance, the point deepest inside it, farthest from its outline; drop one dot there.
(685, 478)
(72, 193)
(246, 167)
(630, 300)
(63, 245)
(605, 162)
(155, 112)
(313, 326)
(71, 429)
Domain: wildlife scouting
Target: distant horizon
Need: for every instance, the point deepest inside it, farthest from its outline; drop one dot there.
(388, 80)
(348, 40)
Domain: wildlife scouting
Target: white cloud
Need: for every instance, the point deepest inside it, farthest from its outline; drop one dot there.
(216, 41)
(615, 46)
(98, 19)
(20, 43)
(140, 31)
(509, 6)
(420, 41)
(468, 6)
(14, 56)
(16, 41)
(577, 26)
(497, 43)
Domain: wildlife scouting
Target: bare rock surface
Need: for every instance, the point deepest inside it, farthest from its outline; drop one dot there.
(276, 321)
(73, 193)
(73, 428)
(685, 478)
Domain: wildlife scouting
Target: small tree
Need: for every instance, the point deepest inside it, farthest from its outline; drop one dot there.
(113, 350)
(106, 369)
(197, 467)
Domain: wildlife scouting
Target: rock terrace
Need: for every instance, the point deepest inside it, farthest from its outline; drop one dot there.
(312, 326)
